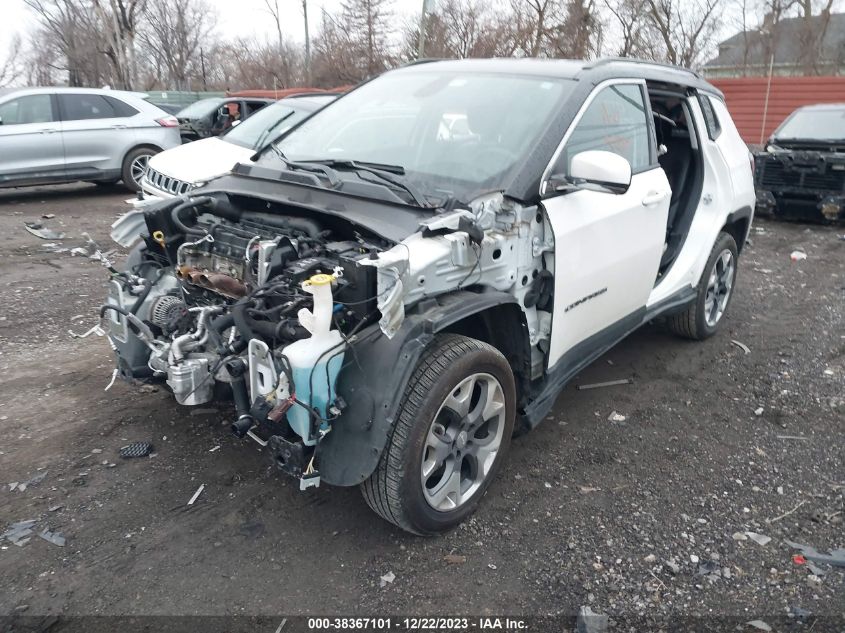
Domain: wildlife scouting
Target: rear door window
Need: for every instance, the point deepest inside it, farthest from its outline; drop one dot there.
(28, 109)
(80, 107)
(710, 118)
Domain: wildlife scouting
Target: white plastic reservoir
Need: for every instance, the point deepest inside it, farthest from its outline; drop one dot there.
(315, 360)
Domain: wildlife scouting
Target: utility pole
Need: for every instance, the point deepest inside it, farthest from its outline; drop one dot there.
(307, 43)
(427, 7)
(202, 67)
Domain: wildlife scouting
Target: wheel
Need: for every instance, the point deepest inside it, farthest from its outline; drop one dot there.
(135, 166)
(452, 433)
(715, 289)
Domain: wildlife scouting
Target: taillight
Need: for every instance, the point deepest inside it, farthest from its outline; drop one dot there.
(168, 121)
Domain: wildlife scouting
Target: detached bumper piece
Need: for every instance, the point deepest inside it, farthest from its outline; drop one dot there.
(801, 185)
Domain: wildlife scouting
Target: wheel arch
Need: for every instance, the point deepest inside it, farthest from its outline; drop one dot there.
(738, 225)
(379, 370)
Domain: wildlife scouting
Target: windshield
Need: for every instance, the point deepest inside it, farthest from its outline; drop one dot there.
(199, 108)
(816, 124)
(455, 134)
(265, 124)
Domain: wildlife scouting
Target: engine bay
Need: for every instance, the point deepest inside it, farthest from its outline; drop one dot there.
(257, 301)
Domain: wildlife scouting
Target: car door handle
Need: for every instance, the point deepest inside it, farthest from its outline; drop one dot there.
(48, 130)
(653, 197)
(119, 126)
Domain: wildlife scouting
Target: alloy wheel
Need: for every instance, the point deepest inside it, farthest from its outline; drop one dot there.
(463, 441)
(139, 167)
(719, 287)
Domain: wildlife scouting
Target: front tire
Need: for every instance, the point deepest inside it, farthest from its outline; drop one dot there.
(703, 317)
(451, 435)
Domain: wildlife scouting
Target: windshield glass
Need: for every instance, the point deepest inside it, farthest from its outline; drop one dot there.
(265, 124)
(199, 108)
(819, 124)
(455, 134)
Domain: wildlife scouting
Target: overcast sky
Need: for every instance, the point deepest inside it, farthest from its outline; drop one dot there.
(235, 17)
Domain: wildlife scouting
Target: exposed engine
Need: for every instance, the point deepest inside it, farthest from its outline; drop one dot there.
(262, 302)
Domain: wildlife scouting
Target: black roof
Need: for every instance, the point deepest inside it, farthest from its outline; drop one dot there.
(579, 70)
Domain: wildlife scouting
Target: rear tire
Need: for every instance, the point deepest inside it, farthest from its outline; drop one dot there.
(451, 435)
(134, 167)
(703, 317)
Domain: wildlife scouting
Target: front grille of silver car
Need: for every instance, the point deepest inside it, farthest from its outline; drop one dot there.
(166, 183)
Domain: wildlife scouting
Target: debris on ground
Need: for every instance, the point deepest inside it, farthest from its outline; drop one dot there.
(588, 621)
(216, 448)
(797, 256)
(741, 346)
(836, 557)
(760, 539)
(39, 230)
(616, 417)
(196, 494)
(455, 559)
(609, 383)
(792, 437)
(48, 216)
(758, 411)
(387, 579)
(136, 449)
(56, 538)
(759, 625)
(32, 481)
(19, 533)
(786, 514)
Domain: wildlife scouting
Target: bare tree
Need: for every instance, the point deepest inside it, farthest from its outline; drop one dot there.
(687, 28)
(10, 63)
(120, 21)
(172, 36)
(637, 35)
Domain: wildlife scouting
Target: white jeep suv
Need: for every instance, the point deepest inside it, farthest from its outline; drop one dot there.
(386, 295)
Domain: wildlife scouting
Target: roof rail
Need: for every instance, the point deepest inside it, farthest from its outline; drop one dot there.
(424, 60)
(646, 62)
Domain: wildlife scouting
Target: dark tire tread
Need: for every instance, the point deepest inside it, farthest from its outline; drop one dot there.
(382, 491)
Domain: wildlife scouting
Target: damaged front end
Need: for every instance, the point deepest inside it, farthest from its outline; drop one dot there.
(290, 313)
(801, 181)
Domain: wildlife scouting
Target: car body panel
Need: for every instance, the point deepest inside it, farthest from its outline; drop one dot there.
(35, 150)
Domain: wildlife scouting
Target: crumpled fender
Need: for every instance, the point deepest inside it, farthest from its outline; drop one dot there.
(374, 379)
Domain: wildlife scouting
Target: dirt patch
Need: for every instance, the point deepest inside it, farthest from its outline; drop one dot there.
(620, 515)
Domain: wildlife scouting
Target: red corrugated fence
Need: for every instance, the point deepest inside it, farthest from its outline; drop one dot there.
(746, 99)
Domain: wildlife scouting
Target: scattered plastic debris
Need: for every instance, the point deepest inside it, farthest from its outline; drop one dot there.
(792, 437)
(797, 256)
(19, 533)
(455, 559)
(835, 558)
(196, 494)
(760, 539)
(609, 383)
(758, 411)
(56, 538)
(741, 346)
(588, 621)
(616, 417)
(387, 579)
(39, 230)
(216, 448)
(739, 536)
(32, 481)
(48, 216)
(587, 489)
(798, 559)
(136, 449)
(759, 625)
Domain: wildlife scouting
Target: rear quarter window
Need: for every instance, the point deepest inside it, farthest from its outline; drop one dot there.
(121, 108)
(711, 120)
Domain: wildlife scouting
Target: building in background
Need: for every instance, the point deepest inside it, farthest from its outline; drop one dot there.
(790, 47)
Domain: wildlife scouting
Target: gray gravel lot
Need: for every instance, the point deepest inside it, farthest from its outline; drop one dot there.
(642, 519)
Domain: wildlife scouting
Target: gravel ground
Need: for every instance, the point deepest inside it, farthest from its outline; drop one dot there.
(643, 519)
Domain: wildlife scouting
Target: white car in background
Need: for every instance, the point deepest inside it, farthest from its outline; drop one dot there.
(179, 170)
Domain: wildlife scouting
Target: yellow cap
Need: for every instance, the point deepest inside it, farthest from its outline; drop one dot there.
(321, 280)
